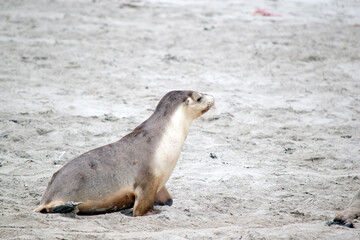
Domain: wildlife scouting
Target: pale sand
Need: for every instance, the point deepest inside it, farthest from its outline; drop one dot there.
(286, 128)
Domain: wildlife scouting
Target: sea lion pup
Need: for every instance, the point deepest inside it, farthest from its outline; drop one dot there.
(131, 172)
(348, 215)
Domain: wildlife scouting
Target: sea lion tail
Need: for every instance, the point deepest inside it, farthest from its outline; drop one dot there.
(59, 208)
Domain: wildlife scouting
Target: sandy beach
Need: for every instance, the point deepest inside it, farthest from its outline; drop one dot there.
(277, 158)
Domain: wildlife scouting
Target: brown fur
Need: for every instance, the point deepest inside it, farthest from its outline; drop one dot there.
(121, 200)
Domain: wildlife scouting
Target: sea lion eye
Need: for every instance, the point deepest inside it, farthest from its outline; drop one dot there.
(199, 99)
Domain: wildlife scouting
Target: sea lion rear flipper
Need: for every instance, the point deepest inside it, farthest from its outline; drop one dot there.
(64, 208)
(163, 198)
(346, 217)
(343, 219)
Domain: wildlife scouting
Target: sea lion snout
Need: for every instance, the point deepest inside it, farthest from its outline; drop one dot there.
(209, 101)
(199, 103)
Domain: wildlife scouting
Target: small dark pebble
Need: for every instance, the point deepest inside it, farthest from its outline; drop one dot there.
(297, 213)
(208, 28)
(128, 5)
(111, 118)
(169, 57)
(346, 136)
(4, 135)
(163, 217)
(315, 159)
(34, 194)
(213, 156)
(41, 131)
(14, 121)
(58, 162)
(40, 58)
(289, 150)
(213, 119)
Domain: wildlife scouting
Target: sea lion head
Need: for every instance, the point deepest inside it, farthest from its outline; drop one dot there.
(197, 103)
(188, 104)
(194, 103)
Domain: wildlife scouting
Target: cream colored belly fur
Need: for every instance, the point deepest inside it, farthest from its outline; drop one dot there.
(170, 145)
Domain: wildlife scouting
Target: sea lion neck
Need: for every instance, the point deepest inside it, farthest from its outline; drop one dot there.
(165, 109)
(170, 102)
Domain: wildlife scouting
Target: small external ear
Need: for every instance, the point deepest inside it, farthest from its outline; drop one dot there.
(187, 101)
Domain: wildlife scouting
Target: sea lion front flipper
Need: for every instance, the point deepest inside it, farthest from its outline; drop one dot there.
(163, 198)
(145, 195)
